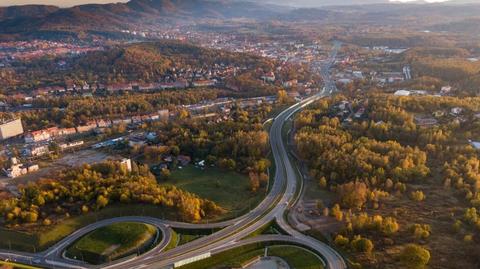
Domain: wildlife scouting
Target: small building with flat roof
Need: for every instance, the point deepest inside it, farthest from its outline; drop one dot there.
(11, 128)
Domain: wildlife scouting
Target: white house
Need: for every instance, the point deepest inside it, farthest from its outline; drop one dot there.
(402, 93)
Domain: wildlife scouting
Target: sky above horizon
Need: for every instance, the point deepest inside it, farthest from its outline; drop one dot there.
(61, 3)
(67, 3)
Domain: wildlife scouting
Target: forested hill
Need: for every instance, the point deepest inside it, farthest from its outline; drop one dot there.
(27, 21)
(15, 12)
(145, 62)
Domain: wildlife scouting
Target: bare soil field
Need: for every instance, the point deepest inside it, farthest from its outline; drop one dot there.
(78, 158)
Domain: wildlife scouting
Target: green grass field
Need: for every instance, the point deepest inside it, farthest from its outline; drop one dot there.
(186, 238)
(228, 189)
(297, 258)
(189, 235)
(174, 241)
(112, 242)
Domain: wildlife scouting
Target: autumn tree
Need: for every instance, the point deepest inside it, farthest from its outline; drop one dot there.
(282, 97)
(352, 194)
(415, 256)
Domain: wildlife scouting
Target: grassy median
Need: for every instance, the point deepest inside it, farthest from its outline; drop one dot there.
(296, 257)
(113, 242)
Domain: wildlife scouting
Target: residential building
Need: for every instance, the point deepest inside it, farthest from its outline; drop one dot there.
(89, 126)
(36, 150)
(119, 87)
(456, 111)
(204, 83)
(269, 77)
(17, 169)
(41, 135)
(179, 84)
(426, 122)
(445, 89)
(71, 145)
(402, 93)
(67, 131)
(104, 123)
(290, 83)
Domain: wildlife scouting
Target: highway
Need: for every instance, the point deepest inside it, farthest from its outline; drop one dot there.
(281, 197)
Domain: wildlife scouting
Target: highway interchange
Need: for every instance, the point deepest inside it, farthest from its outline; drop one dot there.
(233, 233)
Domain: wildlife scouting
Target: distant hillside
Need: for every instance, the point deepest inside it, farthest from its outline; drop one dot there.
(29, 11)
(471, 26)
(108, 19)
(322, 3)
(413, 15)
(28, 20)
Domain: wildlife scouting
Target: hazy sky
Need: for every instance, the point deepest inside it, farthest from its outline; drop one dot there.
(64, 3)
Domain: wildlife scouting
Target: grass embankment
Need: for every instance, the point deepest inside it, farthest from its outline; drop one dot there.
(174, 240)
(11, 265)
(49, 235)
(189, 235)
(113, 242)
(296, 257)
(230, 190)
(269, 228)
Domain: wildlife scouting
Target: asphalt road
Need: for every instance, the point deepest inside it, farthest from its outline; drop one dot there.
(280, 198)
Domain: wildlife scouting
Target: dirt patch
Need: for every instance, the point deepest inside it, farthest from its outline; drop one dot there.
(86, 156)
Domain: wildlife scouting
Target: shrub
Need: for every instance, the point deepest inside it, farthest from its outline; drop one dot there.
(415, 256)
(468, 238)
(341, 241)
(420, 231)
(457, 226)
(417, 196)
(360, 244)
